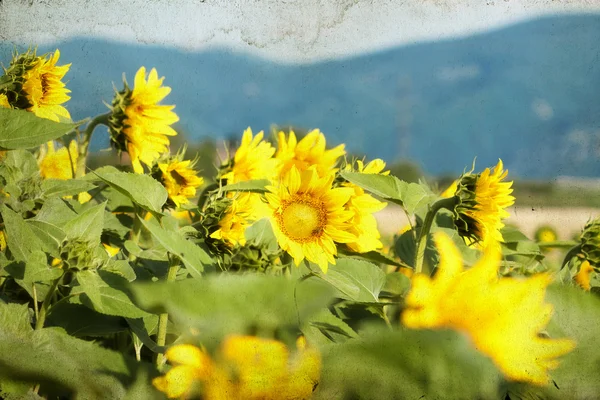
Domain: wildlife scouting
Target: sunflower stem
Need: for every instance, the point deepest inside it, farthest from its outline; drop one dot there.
(84, 144)
(39, 322)
(558, 243)
(163, 318)
(448, 204)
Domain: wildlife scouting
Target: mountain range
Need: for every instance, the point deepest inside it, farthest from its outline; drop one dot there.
(528, 93)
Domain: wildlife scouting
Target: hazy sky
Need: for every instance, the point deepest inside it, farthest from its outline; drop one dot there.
(287, 30)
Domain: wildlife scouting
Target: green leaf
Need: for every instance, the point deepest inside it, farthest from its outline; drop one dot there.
(106, 293)
(374, 257)
(261, 234)
(407, 365)
(14, 320)
(20, 129)
(143, 190)
(70, 187)
(21, 240)
(385, 186)
(325, 328)
(138, 326)
(225, 304)
(416, 196)
(193, 257)
(396, 284)
(257, 186)
(87, 226)
(51, 236)
(355, 280)
(55, 211)
(21, 164)
(81, 321)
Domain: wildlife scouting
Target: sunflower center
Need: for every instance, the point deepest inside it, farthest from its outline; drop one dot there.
(302, 220)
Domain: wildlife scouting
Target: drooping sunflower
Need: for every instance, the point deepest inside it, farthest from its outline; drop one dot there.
(482, 202)
(502, 316)
(252, 160)
(363, 206)
(308, 216)
(246, 368)
(140, 125)
(36, 85)
(309, 152)
(179, 177)
(59, 164)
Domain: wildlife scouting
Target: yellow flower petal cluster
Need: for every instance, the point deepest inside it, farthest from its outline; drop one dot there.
(584, 275)
(363, 224)
(2, 241)
(546, 234)
(450, 190)
(180, 179)
(252, 160)
(4, 101)
(244, 209)
(139, 125)
(44, 89)
(502, 316)
(246, 368)
(59, 164)
(483, 202)
(308, 216)
(309, 152)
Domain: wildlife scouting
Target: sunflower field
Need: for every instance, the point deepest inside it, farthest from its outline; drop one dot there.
(270, 281)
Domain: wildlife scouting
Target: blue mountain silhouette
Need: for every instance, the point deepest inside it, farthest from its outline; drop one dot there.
(527, 93)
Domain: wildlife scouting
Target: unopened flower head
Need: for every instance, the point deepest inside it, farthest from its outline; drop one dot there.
(139, 125)
(308, 216)
(590, 243)
(36, 85)
(482, 202)
(244, 368)
(502, 316)
(310, 152)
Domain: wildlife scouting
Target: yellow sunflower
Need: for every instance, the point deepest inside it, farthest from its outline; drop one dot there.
(362, 205)
(4, 101)
(502, 316)
(546, 234)
(584, 276)
(44, 89)
(483, 199)
(450, 190)
(308, 216)
(2, 241)
(252, 160)
(180, 179)
(138, 124)
(239, 215)
(246, 368)
(309, 152)
(59, 164)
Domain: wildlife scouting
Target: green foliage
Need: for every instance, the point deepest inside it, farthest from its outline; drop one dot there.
(21, 129)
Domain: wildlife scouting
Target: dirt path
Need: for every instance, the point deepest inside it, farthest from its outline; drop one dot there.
(566, 221)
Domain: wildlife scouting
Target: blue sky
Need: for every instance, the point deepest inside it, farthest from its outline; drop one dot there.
(290, 30)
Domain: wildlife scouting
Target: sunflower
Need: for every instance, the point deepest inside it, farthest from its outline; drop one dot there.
(43, 87)
(363, 205)
(252, 160)
(239, 215)
(482, 202)
(59, 164)
(502, 316)
(180, 179)
(309, 152)
(246, 368)
(138, 124)
(450, 190)
(4, 101)
(583, 277)
(308, 216)
(545, 234)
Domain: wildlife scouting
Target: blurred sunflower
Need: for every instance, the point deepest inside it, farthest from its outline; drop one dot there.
(246, 368)
(502, 316)
(546, 234)
(179, 178)
(252, 160)
(363, 224)
(309, 152)
(482, 202)
(59, 164)
(138, 124)
(4, 101)
(308, 216)
(239, 215)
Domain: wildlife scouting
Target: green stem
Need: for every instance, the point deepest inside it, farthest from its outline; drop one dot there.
(558, 243)
(163, 318)
(424, 232)
(84, 144)
(39, 323)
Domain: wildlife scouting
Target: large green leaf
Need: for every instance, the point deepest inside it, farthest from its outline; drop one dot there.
(69, 187)
(21, 129)
(50, 236)
(325, 328)
(81, 321)
(87, 226)
(21, 240)
(106, 293)
(407, 365)
(193, 257)
(55, 211)
(225, 304)
(143, 190)
(355, 280)
(385, 186)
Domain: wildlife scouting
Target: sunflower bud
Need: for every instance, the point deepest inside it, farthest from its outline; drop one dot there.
(590, 243)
